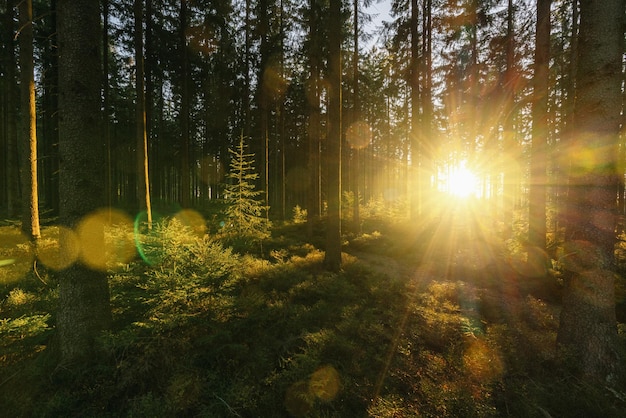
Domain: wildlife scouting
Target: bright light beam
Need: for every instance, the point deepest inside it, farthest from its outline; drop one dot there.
(462, 182)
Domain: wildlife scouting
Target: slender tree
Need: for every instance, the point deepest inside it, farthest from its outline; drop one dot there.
(106, 104)
(313, 108)
(538, 158)
(84, 309)
(143, 177)
(185, 106)
(588, 329)
(511, 177)
(414, 83)
(333, 149)
(30, 198)
(356, 114)
(10, 112)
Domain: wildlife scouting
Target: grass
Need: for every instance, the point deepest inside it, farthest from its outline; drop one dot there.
(419, 323)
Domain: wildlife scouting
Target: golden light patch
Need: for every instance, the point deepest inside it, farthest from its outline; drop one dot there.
(193, 220)
(16, 255)
(100, 251)
(359, 135)
(325, 383)
(58, 247)
(482, 362)
(298, 400)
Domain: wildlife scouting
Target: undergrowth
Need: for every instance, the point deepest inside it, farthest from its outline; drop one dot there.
(204, 331)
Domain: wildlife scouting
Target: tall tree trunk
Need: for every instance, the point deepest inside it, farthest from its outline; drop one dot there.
(427, 141)
(245, 102)
(10, 91)
(356, 115)
(30, 198)
(106, 131)
(509, 152)
(143, 178)
(313, 102)
(48, 149)
(332, 259)
(414, 83)
(264, 98)
(538, 158)
(84, 310)
(185, 108)
(588, 327)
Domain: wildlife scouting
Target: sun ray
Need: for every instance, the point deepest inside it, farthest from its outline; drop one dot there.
(460, 181)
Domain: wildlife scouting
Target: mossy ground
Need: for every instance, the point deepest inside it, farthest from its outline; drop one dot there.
(442, 319)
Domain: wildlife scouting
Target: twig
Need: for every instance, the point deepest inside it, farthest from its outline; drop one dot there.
(9, 378)
(230, 409)
(37, 274)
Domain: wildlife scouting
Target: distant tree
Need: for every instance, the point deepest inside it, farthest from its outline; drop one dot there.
(185, 104)
(415, 109)
(84, 310)
(313, 110)
(245, 213)
(540, 129)
(143, 177)
(10, 101)
(588, 328)
(30, 198)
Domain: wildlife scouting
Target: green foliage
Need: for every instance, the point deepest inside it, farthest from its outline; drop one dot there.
(244, 215)
(299, 214)
(208, 332)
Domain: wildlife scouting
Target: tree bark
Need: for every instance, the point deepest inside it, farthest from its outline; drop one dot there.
(84, 310)
(10, 92)
(30, 198)
(510, 148)
(414, 84)
(356, 221)
(313, 102)
(588, 329)
(143, 177)
(538, 158)
(185, 108)
(332, 259)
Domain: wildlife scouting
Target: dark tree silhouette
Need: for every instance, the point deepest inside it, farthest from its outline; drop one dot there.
(84, 309)
(588, 326)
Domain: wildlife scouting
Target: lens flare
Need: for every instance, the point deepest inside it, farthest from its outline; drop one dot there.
(16, 254)
(106, 239)
(325, 383)
(193, 220)
(58, 247)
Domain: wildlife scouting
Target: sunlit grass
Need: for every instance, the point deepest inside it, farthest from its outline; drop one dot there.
(427, 320)
(16, 254)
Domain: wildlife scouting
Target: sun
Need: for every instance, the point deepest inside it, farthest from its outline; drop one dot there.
(461, 182)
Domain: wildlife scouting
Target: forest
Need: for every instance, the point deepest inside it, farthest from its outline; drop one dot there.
(315, 208)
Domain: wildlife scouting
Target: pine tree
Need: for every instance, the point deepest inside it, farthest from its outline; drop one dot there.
(245, 214)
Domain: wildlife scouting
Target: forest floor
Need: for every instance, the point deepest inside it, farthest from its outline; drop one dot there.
(439, 319)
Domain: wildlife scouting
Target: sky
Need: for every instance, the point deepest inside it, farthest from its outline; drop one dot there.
(380, 8)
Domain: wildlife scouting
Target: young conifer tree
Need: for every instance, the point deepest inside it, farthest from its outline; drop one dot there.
(245, 218)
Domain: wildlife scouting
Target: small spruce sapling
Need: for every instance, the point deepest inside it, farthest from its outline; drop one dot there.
(245, 214)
